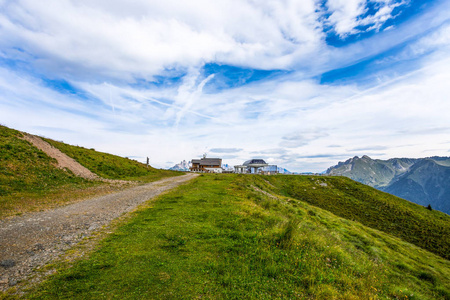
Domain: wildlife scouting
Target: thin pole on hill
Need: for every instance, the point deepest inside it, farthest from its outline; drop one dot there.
(148, 161)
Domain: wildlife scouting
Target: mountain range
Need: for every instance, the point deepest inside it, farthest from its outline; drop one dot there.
(182, 166)
(425, 181)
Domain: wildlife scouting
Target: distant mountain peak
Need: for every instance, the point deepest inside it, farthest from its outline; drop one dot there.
(420, 180)
(182, 166)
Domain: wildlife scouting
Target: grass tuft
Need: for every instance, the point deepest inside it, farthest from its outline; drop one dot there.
(288, 233)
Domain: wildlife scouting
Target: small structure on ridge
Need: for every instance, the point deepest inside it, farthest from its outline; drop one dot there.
(252, 166)
(207, 165)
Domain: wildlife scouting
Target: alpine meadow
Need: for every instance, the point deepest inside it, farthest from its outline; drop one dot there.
(226, 149)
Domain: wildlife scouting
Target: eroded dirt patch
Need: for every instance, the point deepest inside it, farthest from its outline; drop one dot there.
(64, 161)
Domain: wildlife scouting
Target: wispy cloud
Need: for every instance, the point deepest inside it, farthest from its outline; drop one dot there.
(302, 138)
(188, 93)
(225, 150)
(170, 80)
(370, 148)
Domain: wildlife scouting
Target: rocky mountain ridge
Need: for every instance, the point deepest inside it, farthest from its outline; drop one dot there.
(182, 166)
(420, 180)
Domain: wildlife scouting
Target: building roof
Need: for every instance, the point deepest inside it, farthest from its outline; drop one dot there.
(208, 161)
(254, 162)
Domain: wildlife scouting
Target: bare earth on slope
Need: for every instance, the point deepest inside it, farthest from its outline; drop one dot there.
(35, 239)
(64, 161)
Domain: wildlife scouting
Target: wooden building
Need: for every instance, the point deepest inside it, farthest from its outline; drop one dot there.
(207, 165)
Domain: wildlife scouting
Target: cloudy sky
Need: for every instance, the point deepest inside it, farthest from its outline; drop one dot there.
(300, 83)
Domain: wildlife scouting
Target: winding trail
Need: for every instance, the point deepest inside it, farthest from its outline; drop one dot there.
(33, 240)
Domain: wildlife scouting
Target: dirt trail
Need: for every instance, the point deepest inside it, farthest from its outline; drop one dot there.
(33, 240)
(64, 161)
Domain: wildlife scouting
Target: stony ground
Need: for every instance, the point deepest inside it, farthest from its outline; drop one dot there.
(33, 240)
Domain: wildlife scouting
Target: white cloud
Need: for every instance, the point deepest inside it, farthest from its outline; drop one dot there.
(344, 15)
(393, 115)
(100, 40)
(106, 39)
(303, 138)
(347, 15)
(103, 48)
(225, 150)
(436, 41)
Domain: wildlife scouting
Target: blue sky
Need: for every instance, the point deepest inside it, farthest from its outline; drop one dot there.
(302, 84)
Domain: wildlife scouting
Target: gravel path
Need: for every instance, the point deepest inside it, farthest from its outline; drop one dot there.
(35, 239)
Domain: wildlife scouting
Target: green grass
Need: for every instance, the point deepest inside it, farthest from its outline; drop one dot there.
(29, 179)
(27, 174)
(355, 201)
(218, 238)
(112, 166)
(24, 167)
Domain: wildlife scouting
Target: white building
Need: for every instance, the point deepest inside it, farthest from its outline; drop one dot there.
(252, 166)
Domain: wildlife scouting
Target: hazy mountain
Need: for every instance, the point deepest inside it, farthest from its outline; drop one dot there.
(182, 166)
(423, 181)
(227, 167)
(282, 170)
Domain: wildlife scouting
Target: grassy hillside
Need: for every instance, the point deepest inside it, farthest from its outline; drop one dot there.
(219, 237)
(355, 201)
(30, 181)
(28, 177)
(112, 166)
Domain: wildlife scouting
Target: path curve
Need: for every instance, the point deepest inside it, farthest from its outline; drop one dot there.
(35, 239)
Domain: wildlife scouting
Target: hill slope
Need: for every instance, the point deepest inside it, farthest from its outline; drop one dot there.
(30, 179)
(423, 181)
(62, 159)
(111, 166)
(233, 237)
(355, 201)
(28, 176)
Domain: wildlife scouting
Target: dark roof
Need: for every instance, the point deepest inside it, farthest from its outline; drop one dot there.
(255, 161)
(208, 161)
(211, 162)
